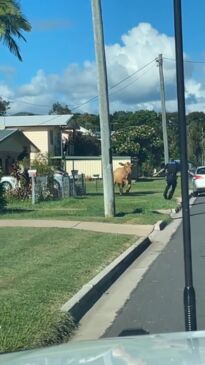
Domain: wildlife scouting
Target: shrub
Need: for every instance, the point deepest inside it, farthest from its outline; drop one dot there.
(3, 201)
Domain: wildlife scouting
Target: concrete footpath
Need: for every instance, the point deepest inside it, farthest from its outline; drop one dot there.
(138, 230)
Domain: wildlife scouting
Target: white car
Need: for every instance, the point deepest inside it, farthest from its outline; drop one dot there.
(198, 181)
(11, 183)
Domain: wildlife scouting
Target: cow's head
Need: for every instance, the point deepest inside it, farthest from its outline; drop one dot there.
(127, 165)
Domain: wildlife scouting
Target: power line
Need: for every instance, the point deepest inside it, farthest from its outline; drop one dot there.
(188, 61)
(26, 102)
(131, 83)
(128, 77)
(95, 97)
(115, 85)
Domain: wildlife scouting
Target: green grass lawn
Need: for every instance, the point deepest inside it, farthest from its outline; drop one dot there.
(40, 270)
(140, 206)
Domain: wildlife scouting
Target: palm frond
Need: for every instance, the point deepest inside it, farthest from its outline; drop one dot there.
(12, 45)
(12, 22)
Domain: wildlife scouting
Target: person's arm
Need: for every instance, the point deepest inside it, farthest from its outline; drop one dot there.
(159, 172)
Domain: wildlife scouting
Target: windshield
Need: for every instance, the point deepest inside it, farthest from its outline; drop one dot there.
(201, 171)
(101, 216)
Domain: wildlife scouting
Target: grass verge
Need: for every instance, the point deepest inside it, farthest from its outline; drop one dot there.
(142, 205)
(40, 270)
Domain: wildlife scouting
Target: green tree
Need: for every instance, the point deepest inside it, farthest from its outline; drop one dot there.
(86, 145)
(4, 106)
(58, 108)
(142, 141)
(122, 119)
(196, 130)
(173, 135)
(88, 121)
(12, 22)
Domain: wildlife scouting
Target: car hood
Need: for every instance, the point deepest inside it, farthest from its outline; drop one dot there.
(164, 349)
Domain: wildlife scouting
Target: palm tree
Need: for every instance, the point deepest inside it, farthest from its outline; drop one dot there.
(12, 21)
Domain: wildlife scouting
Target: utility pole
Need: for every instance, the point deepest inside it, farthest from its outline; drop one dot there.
(108, 186)
(189, 292)
(164, 121)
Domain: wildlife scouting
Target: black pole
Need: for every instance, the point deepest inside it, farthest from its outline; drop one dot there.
(189, 293)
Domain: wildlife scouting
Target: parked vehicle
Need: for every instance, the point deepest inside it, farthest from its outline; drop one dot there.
(198, 181)
(58, 181)
(11, 182)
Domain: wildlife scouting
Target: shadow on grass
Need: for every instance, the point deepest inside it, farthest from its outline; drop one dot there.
(94, 194)
(140, 193)
(135, 211)
(131, 193)
(158, 213)
(16, 210)
(145, 179)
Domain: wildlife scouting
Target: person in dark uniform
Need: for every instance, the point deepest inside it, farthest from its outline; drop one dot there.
(171, 170)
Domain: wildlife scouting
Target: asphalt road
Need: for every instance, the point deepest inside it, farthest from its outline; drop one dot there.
(156, 305)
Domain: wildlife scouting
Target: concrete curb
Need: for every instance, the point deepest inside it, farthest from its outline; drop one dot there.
(81, 302)
(88, 295)
(160, 225)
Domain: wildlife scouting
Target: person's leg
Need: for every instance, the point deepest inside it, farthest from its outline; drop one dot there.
(173, 187)
(166, 190)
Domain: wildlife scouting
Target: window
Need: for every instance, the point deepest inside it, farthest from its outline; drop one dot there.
(201, 171)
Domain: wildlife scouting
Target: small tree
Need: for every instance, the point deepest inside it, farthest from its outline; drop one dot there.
(3, 201)
(42, 164)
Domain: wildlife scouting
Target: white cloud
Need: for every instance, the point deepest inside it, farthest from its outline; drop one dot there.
(5, 91)
(77, 83)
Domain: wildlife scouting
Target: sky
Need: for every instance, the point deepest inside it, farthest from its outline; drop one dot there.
(59, 63)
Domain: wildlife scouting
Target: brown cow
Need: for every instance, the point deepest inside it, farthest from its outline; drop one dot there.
(122, 176)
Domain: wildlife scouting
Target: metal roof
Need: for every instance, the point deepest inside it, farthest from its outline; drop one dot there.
(5, 133)
(35, 120)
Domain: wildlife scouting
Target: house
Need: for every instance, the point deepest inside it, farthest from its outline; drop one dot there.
(14, 145)
(45, 131)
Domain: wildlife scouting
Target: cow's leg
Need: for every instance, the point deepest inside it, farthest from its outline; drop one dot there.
(121, 188)
(128, 185)
(128, 188)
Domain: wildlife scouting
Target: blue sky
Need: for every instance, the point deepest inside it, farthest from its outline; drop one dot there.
(59, 57)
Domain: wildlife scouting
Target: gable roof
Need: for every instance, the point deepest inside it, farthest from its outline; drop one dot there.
(6, 133)
(35, 120)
